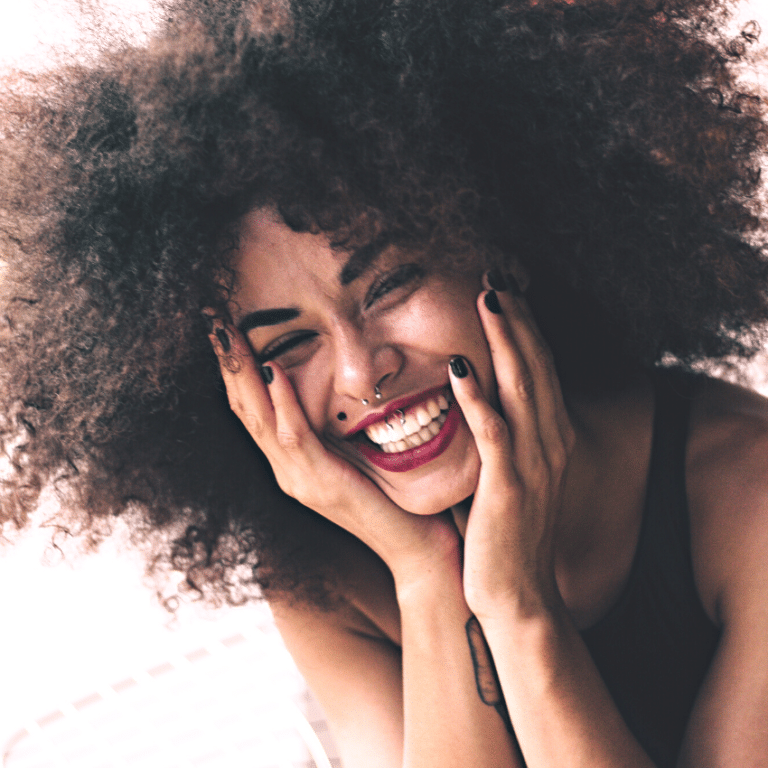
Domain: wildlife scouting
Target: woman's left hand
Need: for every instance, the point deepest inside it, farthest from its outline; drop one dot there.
(524, 450)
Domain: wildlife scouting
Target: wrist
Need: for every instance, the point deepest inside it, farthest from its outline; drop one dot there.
(524, 605)
(419, 579)
(526, 622)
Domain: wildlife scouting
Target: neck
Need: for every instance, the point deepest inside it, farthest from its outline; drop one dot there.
(597, 527)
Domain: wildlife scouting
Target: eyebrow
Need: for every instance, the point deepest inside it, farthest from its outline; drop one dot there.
(362, 259)
(264, 317)
(359, 262)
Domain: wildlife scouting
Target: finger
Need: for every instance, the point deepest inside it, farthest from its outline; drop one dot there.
(519, 392)
(293, 432)
(532, 342)
(489, 429)
(246, 390)
(516, 322)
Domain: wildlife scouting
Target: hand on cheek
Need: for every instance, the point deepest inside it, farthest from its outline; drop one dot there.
(264, 400)
(524, 449)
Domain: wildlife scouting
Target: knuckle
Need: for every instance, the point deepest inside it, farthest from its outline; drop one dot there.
(544, 358)
(525, 387)
(235, 403)
(289, 441)
(493, 429)
(249, 419)
(255, 426)
(558, 460)
(232, 363)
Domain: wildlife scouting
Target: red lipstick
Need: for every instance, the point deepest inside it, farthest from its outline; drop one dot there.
(413, 457)
(400, 404)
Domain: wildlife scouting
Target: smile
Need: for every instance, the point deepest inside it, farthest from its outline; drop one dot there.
(412, 435)
(410, 428)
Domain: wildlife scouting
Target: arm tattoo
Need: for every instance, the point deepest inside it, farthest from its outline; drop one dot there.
(488, 687)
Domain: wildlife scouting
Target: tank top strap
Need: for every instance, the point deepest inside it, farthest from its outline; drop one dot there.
(654, 645)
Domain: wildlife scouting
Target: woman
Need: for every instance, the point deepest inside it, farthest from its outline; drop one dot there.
(479, 552)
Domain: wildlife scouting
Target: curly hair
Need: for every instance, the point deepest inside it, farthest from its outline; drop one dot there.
(608, 145)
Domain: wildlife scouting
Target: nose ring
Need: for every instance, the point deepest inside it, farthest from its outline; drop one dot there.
(376, 391)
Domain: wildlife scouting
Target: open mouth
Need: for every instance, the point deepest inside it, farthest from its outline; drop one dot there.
(410, 427)
(413, 435)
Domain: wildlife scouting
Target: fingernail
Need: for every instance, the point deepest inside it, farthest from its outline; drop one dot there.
(514, 286)
(267, 374)
(492, 302)
(496, 280)
(459, 367)
(223, 338)
(208, 320)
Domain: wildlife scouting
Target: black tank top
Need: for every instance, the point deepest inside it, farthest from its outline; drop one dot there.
(654, 647)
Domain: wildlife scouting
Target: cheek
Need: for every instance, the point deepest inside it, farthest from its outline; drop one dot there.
(311, 383)
(443, 320)
(460, 332)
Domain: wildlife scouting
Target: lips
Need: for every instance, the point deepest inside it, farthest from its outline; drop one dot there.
(411, 432)
(409, 428)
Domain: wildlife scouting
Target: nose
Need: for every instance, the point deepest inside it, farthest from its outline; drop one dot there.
(364, 362)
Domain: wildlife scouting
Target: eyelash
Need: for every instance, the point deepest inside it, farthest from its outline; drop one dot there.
(392, 280)
(381, 287)
(270, 353)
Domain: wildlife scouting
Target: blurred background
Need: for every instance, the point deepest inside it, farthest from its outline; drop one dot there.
(94, 672)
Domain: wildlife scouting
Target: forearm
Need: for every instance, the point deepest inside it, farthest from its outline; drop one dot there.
(446, 722)
(562, 712)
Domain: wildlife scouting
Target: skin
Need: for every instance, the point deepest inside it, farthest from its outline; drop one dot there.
(406, 337)
(541, 549)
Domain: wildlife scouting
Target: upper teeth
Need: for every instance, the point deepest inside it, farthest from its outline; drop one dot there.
(402, 430)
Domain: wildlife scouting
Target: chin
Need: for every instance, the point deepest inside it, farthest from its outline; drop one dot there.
(436, 492)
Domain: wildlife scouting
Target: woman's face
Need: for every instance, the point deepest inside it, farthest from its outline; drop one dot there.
(339, 326)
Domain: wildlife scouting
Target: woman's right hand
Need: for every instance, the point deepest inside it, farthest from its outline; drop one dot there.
(411, 545)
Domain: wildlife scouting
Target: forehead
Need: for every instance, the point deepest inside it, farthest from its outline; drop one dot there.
(267, 245)
(274, 261)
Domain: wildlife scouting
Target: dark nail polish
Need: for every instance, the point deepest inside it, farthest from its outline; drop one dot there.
(223, 338)
(208, 320)
(267, 374)
(514, 286)
(496, 280)
(459, 367)
(492, 302)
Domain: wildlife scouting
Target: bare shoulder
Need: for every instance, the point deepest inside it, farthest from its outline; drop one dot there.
(349, 654)
(727, 480)
(363, 594)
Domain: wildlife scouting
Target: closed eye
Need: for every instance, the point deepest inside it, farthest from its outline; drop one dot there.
(398, 277)
(286, 345)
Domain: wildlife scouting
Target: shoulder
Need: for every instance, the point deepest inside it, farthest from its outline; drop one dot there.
(361, 594)
(727, 481)
(349, 654)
